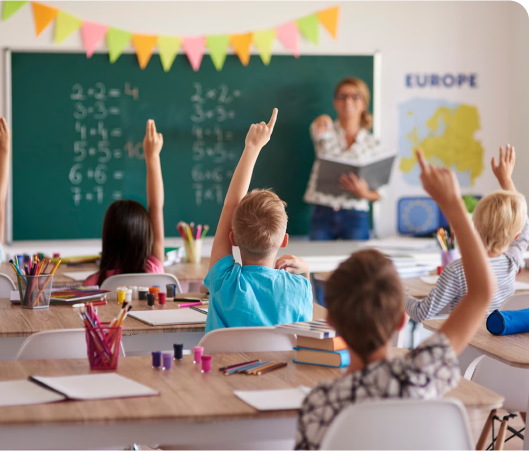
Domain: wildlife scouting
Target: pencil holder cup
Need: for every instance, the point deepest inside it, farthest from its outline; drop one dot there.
(35, 291)
(103, 345)
(449, 256)
(196, 252)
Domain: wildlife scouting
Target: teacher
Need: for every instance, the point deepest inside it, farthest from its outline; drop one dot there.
(343, 217)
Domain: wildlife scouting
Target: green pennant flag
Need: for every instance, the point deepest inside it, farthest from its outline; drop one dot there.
(10, 7)
(168, 47)
(308, 27)
(65, 25)
(218, 47)
(264, 41)
(117, 40)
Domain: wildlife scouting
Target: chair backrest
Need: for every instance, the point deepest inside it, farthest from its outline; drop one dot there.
(56, 344)
(400, 424)
(6, 286)
(141, 280)
(510, 382)
(246, 339)
(516, 302)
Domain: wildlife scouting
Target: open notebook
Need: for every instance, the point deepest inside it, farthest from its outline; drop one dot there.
(39, 390)
(171, 317)
(283, 399)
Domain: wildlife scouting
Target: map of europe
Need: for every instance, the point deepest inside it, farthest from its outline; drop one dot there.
(446, 134)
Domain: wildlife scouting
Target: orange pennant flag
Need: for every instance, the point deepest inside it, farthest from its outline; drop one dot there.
(241, 46)
(329, 19)
(144, 45)
(42, 15)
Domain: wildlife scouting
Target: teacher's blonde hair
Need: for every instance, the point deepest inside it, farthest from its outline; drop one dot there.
(366, 120)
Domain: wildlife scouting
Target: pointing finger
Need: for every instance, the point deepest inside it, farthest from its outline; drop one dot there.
(272, 120)
(425, 168)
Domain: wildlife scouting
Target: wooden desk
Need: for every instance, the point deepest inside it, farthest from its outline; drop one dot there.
(192, 409)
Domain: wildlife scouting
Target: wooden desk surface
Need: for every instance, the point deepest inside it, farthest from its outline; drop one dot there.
(18, 322)
(186, 395)
(510, 349)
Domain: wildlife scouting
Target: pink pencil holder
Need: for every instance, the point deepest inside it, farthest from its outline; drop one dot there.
(449, 256)
(206, 363)
(103, 345)
(197, 354)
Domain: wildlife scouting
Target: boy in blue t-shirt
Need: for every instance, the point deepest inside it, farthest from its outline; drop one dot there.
(258, 293)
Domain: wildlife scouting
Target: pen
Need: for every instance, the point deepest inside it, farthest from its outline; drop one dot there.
(193, 304)
(92, 303)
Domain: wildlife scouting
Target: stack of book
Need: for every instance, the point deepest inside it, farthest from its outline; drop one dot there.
(317, 344)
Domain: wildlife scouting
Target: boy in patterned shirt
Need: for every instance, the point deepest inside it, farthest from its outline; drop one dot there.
(365, 302)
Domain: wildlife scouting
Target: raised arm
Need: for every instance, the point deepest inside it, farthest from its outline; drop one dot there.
(4, 173)
(503, 170)
(152, 146)
(256, 139)
(441, 184)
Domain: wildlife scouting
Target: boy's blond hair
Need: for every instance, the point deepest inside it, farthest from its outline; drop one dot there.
(498, 218)
(259, 223)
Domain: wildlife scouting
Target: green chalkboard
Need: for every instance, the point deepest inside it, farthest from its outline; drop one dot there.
(78, 126)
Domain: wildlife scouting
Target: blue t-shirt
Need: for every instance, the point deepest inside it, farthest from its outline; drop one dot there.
(252, 295)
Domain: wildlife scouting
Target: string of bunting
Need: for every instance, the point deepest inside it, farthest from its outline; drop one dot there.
(117, 40)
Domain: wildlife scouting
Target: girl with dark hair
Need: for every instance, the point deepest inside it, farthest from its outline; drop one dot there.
(133, 237)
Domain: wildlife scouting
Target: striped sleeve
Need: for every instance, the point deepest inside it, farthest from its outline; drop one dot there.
(448, 289)
(518, 247)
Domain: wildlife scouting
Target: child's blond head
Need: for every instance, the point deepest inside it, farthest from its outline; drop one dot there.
(365, 301)
(498, 218)
(259, 223)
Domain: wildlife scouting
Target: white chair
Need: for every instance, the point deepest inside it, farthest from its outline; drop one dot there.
(516, 302)
(6, 286)
(246, 339)
(400, 424)
(55, 344)
(141, 280)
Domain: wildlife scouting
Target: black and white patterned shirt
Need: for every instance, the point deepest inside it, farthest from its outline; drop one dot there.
(427, 372)
(333, 144)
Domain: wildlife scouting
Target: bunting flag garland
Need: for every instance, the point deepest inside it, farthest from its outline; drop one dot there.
(92, 34)
(117, 40)
(168, 47)
(10, 7)
(144, 45)
(65, 25)
(264, 41)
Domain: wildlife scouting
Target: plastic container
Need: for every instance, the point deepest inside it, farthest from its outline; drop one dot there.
(206, 363)
(142, 293)
(161, 298)
(155, 291)
(196, 257)
(35, 291)
(449, 256)
(122, 294)
(197, 354)
(103, 345)
(171, 290)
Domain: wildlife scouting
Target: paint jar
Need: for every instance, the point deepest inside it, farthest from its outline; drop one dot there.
(167, 360)
(142, 293)
(122, 294)
(197, 354)
(154, 290)
(157, 359)
(206, 363)
(134, 292)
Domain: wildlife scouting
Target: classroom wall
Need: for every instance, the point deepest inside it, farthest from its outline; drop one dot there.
(487, 38)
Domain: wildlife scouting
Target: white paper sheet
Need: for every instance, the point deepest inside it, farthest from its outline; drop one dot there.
(79, 276)
(96, 386)
(24, 392)
(169, 317)
(286, 399)
(430, 280)
(521, 286)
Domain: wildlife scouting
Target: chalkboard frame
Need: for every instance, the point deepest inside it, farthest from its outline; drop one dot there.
(7, 107)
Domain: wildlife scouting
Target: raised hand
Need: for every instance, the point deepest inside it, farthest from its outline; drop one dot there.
(440, 183)
(503, 170)
(4, 136)
(153, 141)
(322, 124)
(259, 134)
(293, 265)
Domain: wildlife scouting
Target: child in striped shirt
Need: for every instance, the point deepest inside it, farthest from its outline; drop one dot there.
(501, 221)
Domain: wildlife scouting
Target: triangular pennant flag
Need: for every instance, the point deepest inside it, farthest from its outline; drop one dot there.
(241, 46)
(288, 35)
(264, 41)
(168, 47)
(10, 7)
(65, 25)
(92, 34)
(42, 15)
(117, 40)
(308, 26)
(144, 45)
(329, 19)
(194, 48)
(218, 47)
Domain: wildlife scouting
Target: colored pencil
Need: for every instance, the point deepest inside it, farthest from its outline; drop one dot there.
(274, 367)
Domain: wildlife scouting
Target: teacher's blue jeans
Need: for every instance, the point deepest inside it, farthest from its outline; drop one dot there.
(328, 224)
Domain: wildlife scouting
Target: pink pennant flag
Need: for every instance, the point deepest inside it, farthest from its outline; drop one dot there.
(92, 34)
(288, 34)
(194, 48)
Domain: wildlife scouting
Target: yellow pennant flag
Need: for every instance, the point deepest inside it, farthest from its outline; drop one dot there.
(264, 41)
(329, 19)
(65, 25)
(241, 46)
(168, 47)
(42, 15)
(144, 45)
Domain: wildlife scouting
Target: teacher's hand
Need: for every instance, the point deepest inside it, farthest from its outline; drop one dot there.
(358, 187)
(322, 124)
